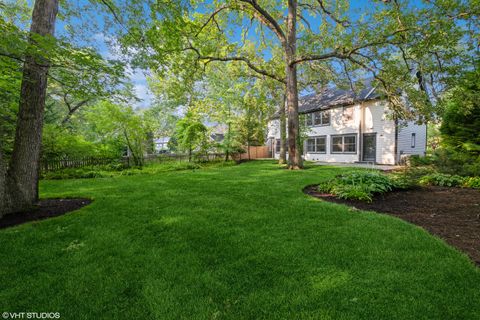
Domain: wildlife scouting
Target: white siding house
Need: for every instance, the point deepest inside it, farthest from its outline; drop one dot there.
(161, 144)
(344, 127)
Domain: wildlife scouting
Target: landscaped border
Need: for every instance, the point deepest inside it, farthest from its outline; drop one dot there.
(46, 208)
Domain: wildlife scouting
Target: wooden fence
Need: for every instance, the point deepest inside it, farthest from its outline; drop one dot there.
(257, 152)
(159, 158)
(63, 163)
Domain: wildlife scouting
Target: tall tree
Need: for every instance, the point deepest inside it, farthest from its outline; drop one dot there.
(21, 180)
(191, 134)
(120, 123)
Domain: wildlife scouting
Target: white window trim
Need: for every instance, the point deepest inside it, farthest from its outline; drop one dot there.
(343, 143)
(315, 144)
(311, 115)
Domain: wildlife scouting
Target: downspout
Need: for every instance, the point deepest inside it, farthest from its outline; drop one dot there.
(395, 149)
(360, 136)
(426, 138)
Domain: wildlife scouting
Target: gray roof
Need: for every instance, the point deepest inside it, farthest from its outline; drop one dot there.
(328, 98)
(331, 97)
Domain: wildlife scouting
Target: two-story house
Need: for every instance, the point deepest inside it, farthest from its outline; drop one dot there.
(346, 127)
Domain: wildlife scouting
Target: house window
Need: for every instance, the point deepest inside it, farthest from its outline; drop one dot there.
(309, 119)
(344, 144)
(311, 145)
(318, 118)
(317, 144)
(349, 143)
(337, 144)
(325, 118)
(321, 144)
(277, 145)
(413, 140)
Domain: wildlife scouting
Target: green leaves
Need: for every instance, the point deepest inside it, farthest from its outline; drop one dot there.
(361, 185)
(461, 119)
(191, 134)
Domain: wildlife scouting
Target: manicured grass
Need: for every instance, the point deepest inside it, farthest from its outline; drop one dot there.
(239, 242)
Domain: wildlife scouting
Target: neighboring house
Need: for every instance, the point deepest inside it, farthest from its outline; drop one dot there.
(161, 144)
(217, 132)
(344, 127)
(217, 137)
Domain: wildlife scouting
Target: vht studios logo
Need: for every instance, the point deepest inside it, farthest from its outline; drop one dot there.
(31, 315)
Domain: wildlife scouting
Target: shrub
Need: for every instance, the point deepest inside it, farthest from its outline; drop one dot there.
(443, 180)
(409, 177)
(112, 170)
(448, 160)
(472, 182)
(359, 185)
(403, 181)
(418, 161)
(460, 152)
(359, 192)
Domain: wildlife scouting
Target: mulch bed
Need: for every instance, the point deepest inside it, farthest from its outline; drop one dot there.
(453, 214)
(43, 210)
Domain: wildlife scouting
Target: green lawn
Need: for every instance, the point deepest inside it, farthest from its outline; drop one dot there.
(239, 242)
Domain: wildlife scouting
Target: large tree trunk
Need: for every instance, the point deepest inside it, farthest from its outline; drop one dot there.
(294, 155)
(22, 176)
(283, 132)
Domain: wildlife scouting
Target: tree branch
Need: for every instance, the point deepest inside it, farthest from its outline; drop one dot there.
(344, 53)
(326, 56)
(211, 18)
(345, 23)
(11, 56)
(71, 110)
(267, 19)
(305, 21)
(245, 60)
